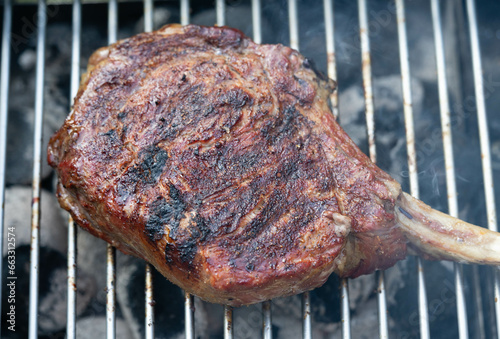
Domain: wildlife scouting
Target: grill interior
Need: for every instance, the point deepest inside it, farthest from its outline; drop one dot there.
(415, 93)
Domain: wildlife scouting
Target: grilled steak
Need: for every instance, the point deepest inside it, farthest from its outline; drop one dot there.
(218, 161)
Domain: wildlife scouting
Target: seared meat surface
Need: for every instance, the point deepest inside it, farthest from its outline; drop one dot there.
(218, 161)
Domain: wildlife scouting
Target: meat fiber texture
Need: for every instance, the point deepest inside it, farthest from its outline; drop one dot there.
(218, 161)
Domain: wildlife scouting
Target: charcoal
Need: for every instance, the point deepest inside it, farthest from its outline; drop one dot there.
(92, 327)
(52, 292)
(18, 220)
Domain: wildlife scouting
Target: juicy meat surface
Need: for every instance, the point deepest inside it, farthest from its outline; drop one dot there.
(218, 161)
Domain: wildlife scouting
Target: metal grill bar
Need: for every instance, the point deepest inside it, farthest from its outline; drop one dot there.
(112, 21)
(332, 74)
(220, 8)
(461, 306)
(110, 292)
(496, 274)
(478, 303)
(75, 49)
(294, 43)
(330, 51)
(148, 15)
(188, 299)
(366, 64)
(382, 306)
(293, 24)
(484, 140)
(267, 325)
(75, 79)
(110, 250)
(412, 156)
(370, 125)
(407, 97)
(184, 12)
(257, 37)
(256, 21)
(448, 157)
(228, 310)
(422, 302)
(346, 314)
(306, 316)
(228, 322)
(71, 286)
(149, 319)
(189, 315)
(37, 155)
(4, 104)
(148, 292)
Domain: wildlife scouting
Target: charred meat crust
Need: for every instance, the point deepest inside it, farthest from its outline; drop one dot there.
(218, 161)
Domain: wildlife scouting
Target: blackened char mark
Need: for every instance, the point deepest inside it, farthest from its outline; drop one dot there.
(147, 172)
(187, 251)
(235, 98)
(186, 242)
(191, 107)
(154, 160)
(170, 250)
(282, 134)
(165, 213)
(271, 212)
(108, 145)
(122, 115)
(127, 184)
(201, 231)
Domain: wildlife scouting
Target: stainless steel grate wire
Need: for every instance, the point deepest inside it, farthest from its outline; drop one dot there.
(293, 25)
(148, 293)
(228, 322)
(332, 74)
(184, 12)
(72, 232)
(37, 162)
(110, 250)
(4, 104)
(294, 42)
(256, 21)
(267, 325)
(448, 157)
(267, 332)
(189, 315)
(372, 150)
(220, 9)
(484, 139)
(412, 156)
(188, 299)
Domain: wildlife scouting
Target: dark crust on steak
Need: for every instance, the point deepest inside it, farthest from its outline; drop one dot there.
(218, 161)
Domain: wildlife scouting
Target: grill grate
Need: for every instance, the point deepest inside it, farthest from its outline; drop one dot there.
(74, 82)
(37, 150)
(293, 16)
(4, 94)
(448, 158)
(485, 142)
(110, 250)
(412, 157)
